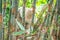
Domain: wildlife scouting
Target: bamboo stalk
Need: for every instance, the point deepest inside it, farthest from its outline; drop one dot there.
(33, 7)
(1, 6)
(23, 18)
(4, 8)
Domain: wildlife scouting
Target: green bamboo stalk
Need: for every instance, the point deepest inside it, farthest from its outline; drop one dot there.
(33, 6)
(16, 5)
(58, 14)
(23, 18)
(11, 18)
(3, 10)
(8, 17)
(9, 34)
(49, 13)
(1, 6)
(1, 23)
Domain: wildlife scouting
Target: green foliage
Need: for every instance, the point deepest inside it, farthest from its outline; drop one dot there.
(59, 19)
(18, 33)
(39, 2)
(54, 2)
(29, 3)
(0, 6)
(20, 3)
(20, 25)
(40, 14)
(6, 18)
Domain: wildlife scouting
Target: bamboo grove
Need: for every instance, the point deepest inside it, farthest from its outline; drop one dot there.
(44, 22)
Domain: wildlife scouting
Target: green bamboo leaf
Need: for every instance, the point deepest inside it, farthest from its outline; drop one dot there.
(20, 25)
(59, 19)
(18, 33)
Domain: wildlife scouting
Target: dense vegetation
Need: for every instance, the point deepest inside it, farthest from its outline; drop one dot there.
(15, 27)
